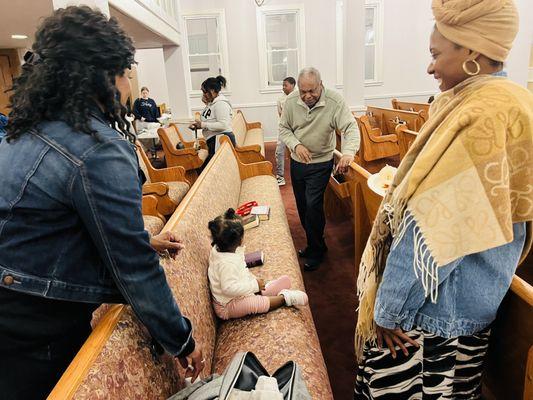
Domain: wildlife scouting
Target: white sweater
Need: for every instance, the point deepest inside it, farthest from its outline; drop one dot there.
(228, 276)
(216, 117)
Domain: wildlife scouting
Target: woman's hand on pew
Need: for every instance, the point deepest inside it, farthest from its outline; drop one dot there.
(167, 242)
(194, 363)
(393, 338)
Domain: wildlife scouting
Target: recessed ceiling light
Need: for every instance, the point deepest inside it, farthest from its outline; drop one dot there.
(19, 37)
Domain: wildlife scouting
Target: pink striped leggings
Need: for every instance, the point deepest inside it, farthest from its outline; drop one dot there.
(253, 304)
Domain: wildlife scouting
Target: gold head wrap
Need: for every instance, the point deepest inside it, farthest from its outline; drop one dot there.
(485, 26)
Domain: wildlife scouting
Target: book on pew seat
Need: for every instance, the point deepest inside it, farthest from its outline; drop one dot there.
(262, 211)
(255, 259)
(250, 222)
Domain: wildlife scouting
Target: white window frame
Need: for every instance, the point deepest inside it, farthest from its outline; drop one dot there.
(261, 13)
(220, 16)
(378, 56)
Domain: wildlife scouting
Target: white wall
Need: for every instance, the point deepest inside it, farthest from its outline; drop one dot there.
(151, 73)
(407, 26)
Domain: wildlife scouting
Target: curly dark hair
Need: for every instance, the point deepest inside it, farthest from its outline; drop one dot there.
(78, 52)
(227, 231)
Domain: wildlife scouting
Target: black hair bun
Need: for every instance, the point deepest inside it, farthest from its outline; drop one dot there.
(230, 213)
(222, 80)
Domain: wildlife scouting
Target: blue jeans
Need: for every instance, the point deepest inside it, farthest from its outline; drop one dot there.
(280, 158)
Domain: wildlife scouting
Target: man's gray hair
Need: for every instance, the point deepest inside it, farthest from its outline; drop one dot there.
(311, 72)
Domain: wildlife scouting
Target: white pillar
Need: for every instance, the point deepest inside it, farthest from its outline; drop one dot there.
(102, 5)
(177, 70)
(354, 53)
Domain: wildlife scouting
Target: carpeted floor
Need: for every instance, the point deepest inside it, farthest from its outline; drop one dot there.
(331, 291)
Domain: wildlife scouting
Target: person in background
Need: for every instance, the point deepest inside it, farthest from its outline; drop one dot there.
(3, 124)
(72, 234)
(146, 111)
(288, 86)
(307, 127)
(455, 222)
(216, 117)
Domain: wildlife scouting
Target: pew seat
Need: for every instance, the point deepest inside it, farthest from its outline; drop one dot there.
(118, 361)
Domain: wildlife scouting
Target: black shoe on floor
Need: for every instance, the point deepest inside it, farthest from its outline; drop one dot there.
(304, 253)
(312, 264)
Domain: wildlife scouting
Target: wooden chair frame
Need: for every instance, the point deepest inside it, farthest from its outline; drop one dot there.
(406, 137)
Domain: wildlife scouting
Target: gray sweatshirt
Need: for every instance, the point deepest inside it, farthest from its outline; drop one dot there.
(315, 128)
(216, 117)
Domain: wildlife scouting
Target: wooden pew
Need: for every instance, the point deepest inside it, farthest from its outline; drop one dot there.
(375, 145)
(421, 108)
(388, 118)
(189, 158)
(118, 360)
(406, 137)
(168, 185)
(509, 364)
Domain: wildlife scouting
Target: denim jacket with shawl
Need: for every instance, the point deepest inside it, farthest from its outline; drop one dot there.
(470, 290)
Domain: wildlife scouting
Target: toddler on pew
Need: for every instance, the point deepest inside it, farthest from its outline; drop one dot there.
(236, 291)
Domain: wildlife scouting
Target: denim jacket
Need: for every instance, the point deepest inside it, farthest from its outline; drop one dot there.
(471, 289)
(71, 226)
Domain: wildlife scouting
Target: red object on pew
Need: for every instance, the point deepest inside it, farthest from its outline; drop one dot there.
(245, 208)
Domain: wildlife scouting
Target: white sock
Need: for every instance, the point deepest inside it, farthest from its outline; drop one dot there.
(294, 297)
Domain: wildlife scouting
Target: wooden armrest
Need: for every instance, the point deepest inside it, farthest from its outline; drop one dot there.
(403, 128)
(252, 147)
(170, 174)
(360, 170)
(201, 142)
(253, 125)
(158, 188)
(384, 138)
(255, 169)
(522, 289)
(149, 207)
(248, 170)
(78, 369)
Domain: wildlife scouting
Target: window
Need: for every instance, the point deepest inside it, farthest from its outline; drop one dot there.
(207, 47)
(280, 33)
(373, 42)
(372, 45)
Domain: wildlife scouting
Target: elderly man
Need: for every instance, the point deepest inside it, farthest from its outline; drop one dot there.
(307, 126)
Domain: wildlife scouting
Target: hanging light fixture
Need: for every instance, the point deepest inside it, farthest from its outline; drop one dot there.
(259, 2)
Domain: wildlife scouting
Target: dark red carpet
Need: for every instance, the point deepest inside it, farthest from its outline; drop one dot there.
(331, 291)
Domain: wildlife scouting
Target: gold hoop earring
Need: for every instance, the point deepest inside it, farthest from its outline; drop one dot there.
(467, 71)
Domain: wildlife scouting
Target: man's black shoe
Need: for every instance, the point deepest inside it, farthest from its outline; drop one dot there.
(312, 264)
(304, 253)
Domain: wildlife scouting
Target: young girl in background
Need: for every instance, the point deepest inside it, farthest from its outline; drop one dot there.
(236, 291)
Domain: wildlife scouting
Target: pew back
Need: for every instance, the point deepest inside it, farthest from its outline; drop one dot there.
(388, 118)
(422, 108)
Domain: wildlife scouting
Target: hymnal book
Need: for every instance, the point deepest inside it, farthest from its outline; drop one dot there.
(262, 211)
(255, 259)
(250, 222)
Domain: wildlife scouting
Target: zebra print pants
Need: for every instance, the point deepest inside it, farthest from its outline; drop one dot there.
(439, 369)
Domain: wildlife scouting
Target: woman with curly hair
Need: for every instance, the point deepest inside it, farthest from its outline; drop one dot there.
(71, 229)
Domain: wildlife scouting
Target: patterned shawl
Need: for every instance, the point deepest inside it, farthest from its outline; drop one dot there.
(463, 183)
